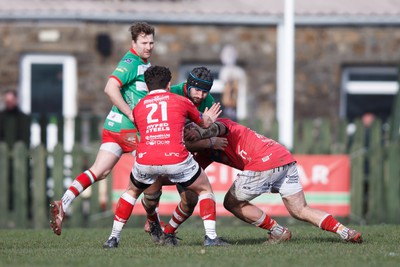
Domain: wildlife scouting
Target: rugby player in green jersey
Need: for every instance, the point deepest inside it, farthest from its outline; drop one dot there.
(197, 88)
(125, 87)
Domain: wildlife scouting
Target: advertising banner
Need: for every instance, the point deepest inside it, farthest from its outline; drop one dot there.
(325, 180)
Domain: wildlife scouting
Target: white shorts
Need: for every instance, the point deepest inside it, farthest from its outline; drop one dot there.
(176, 173)
(250, 184)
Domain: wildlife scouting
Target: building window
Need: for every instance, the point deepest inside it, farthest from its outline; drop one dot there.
(49, 87)
(368, 90)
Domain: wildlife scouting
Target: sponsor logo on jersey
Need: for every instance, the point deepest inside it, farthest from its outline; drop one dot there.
(156, 99)
(141, 155)
(266, 158)
(114, 116)
(120, 70)
(159, 127)
(128, 60)
(171, 154)
(157, 142)
(158, 136)
(242, 153)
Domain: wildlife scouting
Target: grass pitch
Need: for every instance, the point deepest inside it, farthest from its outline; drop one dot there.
(309, 246)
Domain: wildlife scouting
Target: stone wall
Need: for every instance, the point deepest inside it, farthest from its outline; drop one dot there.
(321, 52)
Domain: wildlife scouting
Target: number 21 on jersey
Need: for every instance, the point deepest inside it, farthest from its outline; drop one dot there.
(154, 116)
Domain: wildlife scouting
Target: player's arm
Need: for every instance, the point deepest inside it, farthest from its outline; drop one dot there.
(194, 132)
(198, 139)
(216, 143)
(113, 90)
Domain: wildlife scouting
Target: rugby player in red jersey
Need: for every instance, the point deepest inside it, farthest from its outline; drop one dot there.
(160, 118)
(267, 167)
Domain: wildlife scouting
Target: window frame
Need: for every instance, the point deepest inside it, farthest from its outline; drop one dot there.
(69, 94)
(366, 87)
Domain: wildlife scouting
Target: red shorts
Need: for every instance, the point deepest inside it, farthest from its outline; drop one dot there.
(126, 139)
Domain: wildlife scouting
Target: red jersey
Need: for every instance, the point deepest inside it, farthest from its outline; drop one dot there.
(247, 150)
(160, 118)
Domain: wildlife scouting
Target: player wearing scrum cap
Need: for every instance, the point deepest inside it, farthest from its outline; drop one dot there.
(197, 88)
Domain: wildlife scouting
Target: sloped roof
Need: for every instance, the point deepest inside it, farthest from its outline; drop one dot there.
(204, 11)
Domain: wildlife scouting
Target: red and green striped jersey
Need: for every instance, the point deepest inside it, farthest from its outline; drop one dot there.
(130, 75)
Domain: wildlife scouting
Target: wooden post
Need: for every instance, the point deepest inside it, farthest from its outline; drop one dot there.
(325, 137)
(340, 144)
(39, 198)
(393, 183)
(274, 131)
(376, 205)
(305, 144)
(20, 184)
(4, 174)
(296, 138)
(58, 171)
(395, 119)
(357, 173)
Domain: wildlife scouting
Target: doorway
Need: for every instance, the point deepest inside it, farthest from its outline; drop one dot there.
(48, 87)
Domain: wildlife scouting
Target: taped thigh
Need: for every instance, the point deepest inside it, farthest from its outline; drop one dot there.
(113, 148)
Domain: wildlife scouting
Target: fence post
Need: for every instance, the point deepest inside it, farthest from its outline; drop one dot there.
(20, 184)
(39, 197)
(357, 174)
(340, 144)
(395, 119)
(296, 137)
(4, 174)
(376, 204)
(305, 143)
(325, 137)
(393, 183)
(58, 171)
(274, 131)
(95, 132)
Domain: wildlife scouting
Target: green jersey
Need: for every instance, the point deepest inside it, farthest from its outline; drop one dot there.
(130, 75)
(181, 89)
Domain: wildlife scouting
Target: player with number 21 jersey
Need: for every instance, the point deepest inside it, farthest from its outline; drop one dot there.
(160, 117)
